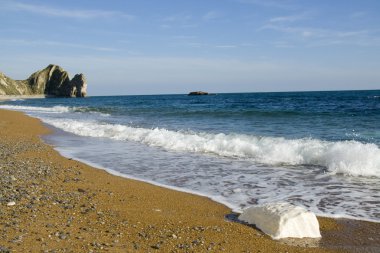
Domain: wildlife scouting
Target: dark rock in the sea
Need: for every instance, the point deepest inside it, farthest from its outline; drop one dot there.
(197, 93)
(51, 81)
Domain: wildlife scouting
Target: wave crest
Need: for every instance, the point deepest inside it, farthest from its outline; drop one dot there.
(343, 157)
(57, 109)
(54, 109)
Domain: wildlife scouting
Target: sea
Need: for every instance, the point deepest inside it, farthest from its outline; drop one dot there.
(319, 150)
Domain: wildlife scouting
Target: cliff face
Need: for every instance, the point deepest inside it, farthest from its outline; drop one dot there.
(79, 86)
(51, 81)
(9, 86)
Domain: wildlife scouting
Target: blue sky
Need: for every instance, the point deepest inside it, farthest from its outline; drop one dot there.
(161, 47)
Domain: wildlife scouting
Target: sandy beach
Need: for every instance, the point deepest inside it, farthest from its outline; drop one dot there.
(50, 203)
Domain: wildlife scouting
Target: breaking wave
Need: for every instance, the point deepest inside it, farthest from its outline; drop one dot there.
(56, 109)
(341, 157)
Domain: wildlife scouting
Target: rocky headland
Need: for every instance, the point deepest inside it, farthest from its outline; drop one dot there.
(52, 81)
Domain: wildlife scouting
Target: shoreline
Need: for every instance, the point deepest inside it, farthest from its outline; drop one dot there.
(130, 177)
(233, 208)
(73, 207)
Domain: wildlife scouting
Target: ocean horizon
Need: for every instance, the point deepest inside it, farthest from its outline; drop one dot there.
(317, 149)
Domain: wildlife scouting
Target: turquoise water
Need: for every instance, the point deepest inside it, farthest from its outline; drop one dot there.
(316, 149)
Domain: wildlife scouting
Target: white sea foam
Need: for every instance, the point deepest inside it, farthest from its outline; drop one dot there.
(54, 109)
(343, 157)
(16, 99)
(237, 183)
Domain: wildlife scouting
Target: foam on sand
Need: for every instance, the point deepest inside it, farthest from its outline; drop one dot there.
(282, 220)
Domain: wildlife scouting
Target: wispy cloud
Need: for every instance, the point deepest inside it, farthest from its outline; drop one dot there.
(190, 42)
(364, 38)
(282, 44)
(165, 26)
(294, 30)
(226, 46)
(211, 15)
(63, 12)
(184, 37)
(311, 36)
(358, 14)
(55, 44)
(181, 20)
(180, 17)
(195, 44)
(290, 18)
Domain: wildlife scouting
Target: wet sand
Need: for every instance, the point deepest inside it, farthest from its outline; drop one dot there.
(62, 205)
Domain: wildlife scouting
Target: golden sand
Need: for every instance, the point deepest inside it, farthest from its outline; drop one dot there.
(69, 206)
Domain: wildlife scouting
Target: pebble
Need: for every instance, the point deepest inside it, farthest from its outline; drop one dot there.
(4, 250)
(157, 246)
(62, 236)
(12, 203)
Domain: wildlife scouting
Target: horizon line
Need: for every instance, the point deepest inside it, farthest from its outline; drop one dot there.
(237, 92)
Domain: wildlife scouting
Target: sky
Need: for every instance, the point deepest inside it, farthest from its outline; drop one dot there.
(130, 47)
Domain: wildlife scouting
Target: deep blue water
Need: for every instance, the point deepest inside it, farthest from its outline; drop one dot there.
(316, 149)
(344, 115)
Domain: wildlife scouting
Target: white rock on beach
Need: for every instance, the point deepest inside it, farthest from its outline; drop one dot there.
(282, 220)
(12, 203)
